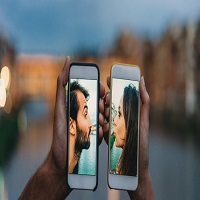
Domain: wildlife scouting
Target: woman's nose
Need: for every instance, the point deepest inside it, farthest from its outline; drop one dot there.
(115, 121)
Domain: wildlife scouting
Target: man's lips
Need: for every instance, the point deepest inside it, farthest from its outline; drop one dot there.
(89, 133)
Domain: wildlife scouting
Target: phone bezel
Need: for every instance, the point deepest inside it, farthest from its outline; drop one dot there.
(124, 182)
(89, 71)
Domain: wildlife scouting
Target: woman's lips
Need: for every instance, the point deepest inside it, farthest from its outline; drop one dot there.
(114, 134)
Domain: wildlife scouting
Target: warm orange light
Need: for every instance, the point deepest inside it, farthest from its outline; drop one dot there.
(2, 93)
(5, 75)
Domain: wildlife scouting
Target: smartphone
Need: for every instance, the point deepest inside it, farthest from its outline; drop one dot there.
(123, 148)
(83, 126)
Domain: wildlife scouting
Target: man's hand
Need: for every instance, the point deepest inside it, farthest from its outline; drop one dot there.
(49, 181)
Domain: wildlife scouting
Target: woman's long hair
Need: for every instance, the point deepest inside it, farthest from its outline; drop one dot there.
(128, 160)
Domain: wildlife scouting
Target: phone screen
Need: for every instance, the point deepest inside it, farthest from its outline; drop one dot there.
(82, 127)
(124, 127)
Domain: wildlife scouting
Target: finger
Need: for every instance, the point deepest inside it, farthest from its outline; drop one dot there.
(107, 99)
(101, 119)
(100, 134)
(106, 131)
(60, 122)
(60, 105)
(64, 73)
(102, 90)
(108, 81)
(101, 123)
(101, 105)
(145, 100)
(144, 126)
(143, 93)
(107, 113)
(61, 83)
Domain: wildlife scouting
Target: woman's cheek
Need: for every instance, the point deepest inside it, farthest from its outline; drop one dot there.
(117, 142)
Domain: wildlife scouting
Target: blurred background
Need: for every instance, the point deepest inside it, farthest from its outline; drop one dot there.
(162, 37)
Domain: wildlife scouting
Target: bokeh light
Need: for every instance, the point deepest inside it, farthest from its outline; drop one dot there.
(2, 93)
(5, 75)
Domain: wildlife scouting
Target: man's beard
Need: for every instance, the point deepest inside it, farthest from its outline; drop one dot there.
(82, 140)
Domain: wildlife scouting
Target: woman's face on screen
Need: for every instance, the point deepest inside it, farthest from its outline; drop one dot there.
(119, 126)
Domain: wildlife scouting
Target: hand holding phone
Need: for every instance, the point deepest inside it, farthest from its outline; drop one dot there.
(124, 127)
(83, 125)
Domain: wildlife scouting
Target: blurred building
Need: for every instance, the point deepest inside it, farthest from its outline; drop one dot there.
(35, 77)
(170, 65)
(7, 52)
(174, 72)
(127, 49)
(171, 69)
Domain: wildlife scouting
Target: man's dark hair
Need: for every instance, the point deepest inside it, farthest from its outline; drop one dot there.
(74, 104)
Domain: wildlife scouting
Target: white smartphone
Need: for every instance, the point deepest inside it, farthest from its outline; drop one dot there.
(123, 148)
(83, 126)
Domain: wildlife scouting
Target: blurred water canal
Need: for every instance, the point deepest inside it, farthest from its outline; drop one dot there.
(174, 165)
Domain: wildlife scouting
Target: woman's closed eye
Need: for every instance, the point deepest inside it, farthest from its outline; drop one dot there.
(119, 113)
